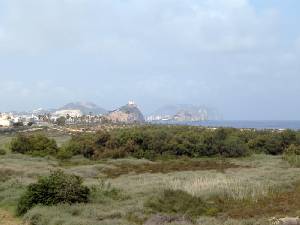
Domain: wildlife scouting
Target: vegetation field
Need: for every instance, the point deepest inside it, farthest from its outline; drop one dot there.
(248, 188)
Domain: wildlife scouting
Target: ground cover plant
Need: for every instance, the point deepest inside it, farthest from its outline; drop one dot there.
(182, 203)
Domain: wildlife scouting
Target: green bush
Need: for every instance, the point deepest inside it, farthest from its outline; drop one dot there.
(2, 152)
(233, 146)
(182, 203)
(103, 192)
(292, 155)
(52, 190)
(292, 150)
(21, 144)
(64, 153)
(37, 144)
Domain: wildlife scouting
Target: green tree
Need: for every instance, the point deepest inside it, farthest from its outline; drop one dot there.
(61, 121)
(52, 190)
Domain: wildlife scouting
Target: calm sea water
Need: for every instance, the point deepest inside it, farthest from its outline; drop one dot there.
(262, 124)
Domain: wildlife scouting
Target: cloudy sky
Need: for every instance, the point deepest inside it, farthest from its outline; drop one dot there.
(239, 56)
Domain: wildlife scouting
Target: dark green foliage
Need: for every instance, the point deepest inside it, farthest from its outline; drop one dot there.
(292, 150)
(273, 143)
(37, 144)
(52, 190)
(18, 124)
(64, 154)
(61, 121)
(21, 144)
(233, 146)
(292, 155)
(182, 203)
(154, 142)
(2, 152)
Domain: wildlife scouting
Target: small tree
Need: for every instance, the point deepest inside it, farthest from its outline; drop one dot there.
(33, 144)
(21, 144)
(61, 121)
(233, 147)
(292, 150)
(52, 190)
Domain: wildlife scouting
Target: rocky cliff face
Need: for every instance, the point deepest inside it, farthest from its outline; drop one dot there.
(129, 113)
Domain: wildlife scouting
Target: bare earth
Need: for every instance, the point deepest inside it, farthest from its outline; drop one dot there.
(7, 219)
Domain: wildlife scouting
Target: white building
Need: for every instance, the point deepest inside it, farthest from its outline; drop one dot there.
(6, 120)
(131, 103)
(70, 112)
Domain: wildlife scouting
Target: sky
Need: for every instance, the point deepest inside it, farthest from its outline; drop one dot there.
(241, 57)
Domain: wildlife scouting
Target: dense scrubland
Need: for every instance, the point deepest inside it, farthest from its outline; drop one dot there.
(159, 142)
(151, 175)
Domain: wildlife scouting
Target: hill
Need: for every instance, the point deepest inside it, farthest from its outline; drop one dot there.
(129, 113)
(84, 107)
(184, 112)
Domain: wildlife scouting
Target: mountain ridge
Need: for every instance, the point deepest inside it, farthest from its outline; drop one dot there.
(184, 112)
(85, 107)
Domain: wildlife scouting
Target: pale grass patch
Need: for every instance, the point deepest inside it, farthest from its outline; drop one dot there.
(223, 186)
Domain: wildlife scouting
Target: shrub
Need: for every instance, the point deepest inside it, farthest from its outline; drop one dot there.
(233, 147)
(37, 144)
(292, 155)
(104, 191)
(52, 190)
(180, 202)
(2, 152)
(21, 144)
(292, 150)
(64, 154)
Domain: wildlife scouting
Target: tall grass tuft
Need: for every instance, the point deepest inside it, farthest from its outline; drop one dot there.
(224, 187)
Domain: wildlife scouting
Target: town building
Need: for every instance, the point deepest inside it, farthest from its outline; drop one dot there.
(6, 120)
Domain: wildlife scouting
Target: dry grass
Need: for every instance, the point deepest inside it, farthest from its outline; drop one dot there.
(280, 204)
(224, 186)
(293, 160)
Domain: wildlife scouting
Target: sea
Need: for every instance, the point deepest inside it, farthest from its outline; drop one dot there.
(251, 124)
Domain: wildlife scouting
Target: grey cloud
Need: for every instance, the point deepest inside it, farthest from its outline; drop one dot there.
(217, 52)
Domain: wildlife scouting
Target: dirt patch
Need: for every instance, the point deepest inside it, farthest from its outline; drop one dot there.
(167, 167)
(7, 219)
(6, 174)
(163, 219)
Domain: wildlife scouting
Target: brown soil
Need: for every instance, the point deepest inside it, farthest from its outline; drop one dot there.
(167, 167)
(7, 219)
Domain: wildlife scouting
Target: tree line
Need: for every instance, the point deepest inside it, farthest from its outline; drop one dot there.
(159, 141)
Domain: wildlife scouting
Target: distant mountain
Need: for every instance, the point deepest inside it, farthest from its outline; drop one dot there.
(129, 113)
(184, 112)
(84, 107)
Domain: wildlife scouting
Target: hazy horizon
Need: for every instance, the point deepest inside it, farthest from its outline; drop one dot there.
(240, 57)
